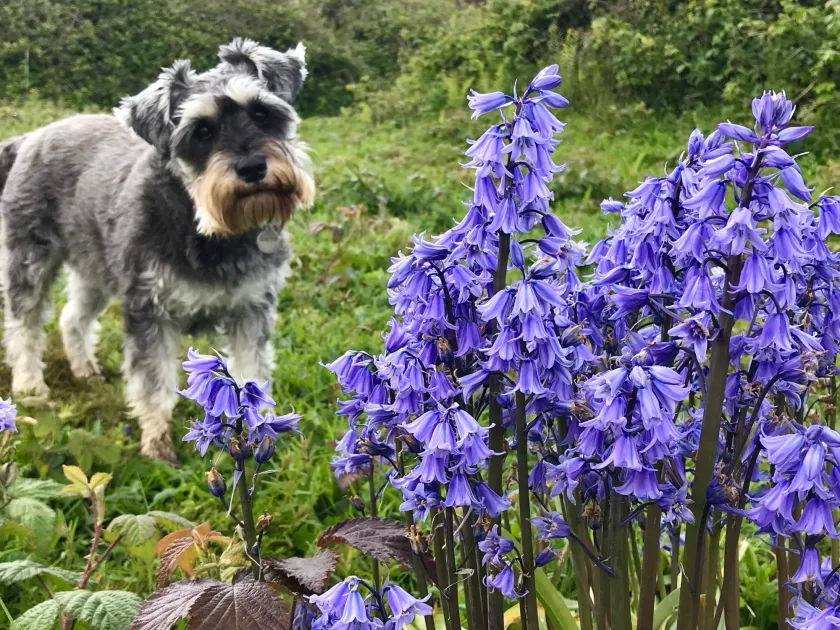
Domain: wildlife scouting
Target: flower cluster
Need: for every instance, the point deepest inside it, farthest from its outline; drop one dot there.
(232, 411)
(455, 329)
(666, 382)
(8, 413)
(343, 607)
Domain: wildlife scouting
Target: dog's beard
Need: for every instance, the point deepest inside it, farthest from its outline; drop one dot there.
(226, 205)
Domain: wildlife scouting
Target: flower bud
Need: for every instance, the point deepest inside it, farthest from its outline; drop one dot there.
(236, 451)
(544, 557)
(264, 521)
(357, 504)
(216, 483)
(265, 450)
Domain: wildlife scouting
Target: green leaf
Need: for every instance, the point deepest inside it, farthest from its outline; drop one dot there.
(75, 475)
(19, 570)
(44, 616)
(86, 448)
(104, 610)
(35, 489)
(34, 515)
(135, 529)
(553, 602)
(100, 479)
(9, 527)
(666, 608)
(170, 521)
(72, 602)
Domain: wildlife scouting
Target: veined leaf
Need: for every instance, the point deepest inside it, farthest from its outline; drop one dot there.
(35, 489)
(44, 616)
(19, 570)
(34, 515)
(103, 610)
(135, 529)
(170, 521)
(180, 548)
(211, 605)
(301, 576)
(385, 539)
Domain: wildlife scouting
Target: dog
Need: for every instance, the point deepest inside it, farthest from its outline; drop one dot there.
(174, 204)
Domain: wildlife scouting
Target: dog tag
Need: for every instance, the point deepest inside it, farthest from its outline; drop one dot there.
(269, 239)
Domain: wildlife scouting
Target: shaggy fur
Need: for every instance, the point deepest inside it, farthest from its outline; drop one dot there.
(161, 206)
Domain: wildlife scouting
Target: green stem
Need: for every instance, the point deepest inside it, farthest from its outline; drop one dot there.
(707, 612)
(247, 518)
(707, 451)
(475, 611)
(452, 570)
(495, 600)
(374, 512)
(730, 592)
(523, 469)
(579, 567)
(440, 562)
(782, 576)
(416, 561)
(650, 567)
(620, 588)
(675, 557)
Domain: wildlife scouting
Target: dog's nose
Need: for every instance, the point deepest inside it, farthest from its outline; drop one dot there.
(251, 169)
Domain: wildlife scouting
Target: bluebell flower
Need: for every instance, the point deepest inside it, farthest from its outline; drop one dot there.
(8, 413)
(404, 606)
(503, 581)
(204, 433)
(484, 103)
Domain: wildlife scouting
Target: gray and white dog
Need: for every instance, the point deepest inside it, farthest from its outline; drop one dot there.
(174, 205)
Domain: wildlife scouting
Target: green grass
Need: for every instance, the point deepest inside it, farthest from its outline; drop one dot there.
(378, 184)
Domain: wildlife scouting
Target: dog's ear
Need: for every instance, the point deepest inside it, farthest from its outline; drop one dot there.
(149, 114)
(283, 73)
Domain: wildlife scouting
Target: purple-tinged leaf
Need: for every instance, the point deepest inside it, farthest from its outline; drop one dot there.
(300, 576)
(382, 538)
(210, 604)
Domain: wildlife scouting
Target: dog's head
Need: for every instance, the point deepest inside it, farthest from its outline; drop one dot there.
(230, 134)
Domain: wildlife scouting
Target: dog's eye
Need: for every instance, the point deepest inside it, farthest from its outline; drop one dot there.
(204, 131)
(259, 113)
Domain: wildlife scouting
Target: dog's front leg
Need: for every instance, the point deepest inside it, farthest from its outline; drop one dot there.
(248, 335)
(151, 375)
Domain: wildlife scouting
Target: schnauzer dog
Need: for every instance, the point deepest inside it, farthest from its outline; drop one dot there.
(175, 205)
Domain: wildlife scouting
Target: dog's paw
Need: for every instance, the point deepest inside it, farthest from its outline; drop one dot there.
(86, 370)
(30, 386)
(161, 449)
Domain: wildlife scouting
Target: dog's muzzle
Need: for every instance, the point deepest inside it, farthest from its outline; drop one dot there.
(233, 195)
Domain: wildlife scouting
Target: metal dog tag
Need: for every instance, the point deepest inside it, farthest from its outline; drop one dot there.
(269, 239)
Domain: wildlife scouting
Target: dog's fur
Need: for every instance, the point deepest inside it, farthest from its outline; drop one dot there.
(147, 206)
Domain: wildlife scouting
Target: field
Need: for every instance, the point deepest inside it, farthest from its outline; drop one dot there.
(378, 185)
